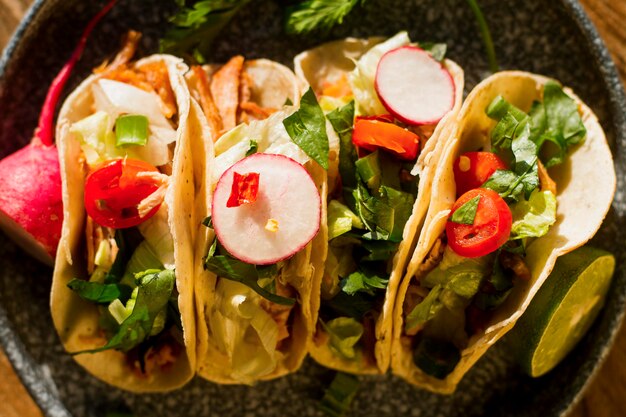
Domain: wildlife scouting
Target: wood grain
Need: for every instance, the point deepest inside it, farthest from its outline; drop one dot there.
(606, 395)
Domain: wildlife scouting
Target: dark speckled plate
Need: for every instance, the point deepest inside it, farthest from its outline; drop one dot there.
(546, 36)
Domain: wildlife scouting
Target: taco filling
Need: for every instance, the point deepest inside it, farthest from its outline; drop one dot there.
(265, 208)
(505, 200)
(127, 145)
(370, 201)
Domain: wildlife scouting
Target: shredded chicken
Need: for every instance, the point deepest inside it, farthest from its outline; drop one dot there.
(96, 234)
(516, 264)
(547, 184)
(124, 56)
(225, 90)
(210, 110)
(255, 110)
(157, 197)
(280, 313)
(162, 354)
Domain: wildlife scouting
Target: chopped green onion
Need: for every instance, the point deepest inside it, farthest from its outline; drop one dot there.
(339, 395)
(131, 129)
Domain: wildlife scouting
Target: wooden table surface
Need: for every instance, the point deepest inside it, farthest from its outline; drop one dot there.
(606, 395)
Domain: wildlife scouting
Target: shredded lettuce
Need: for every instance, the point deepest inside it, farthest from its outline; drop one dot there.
(341, 220)
(344, 333)
(362, 78)
(143, 258)
(534, 217)
(156, 232)
(244, 331)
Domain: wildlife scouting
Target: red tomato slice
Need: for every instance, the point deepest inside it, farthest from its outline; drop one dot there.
(374, 134)
(491, 228)
(245, 189)
(113, 192)
(472, 169)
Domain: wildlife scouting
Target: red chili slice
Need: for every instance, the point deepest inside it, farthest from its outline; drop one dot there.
(245, 189)
(374, 134)
(491, 227)
(472, 169)
(113, 191)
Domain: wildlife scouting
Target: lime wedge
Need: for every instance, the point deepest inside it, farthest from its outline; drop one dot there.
(563, 309)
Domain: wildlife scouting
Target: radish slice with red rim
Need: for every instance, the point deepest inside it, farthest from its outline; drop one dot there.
(413, 86)
(282, 220)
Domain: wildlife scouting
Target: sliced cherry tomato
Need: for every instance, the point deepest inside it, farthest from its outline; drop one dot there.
(472, 169)
(245, 189)
(491, 227)
(374, 134)
(113, 191)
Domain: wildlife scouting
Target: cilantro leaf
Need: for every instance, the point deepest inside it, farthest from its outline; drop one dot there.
(154, 291)
(342, 120)
(467, 212)
(97, 292)
(426, 310)
(307, 128)
(196, 26)
(339, 395)
(363, 281)
(227, 267)
(556, 120)
(317, 15)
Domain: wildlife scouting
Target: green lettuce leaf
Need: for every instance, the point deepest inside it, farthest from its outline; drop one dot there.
(307, 128)
(342, 120)
(534, 217)
(344, 333)
(424, 311)
(341, 220)
(97, 292)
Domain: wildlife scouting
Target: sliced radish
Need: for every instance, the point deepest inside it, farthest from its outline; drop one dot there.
(413, 86)
(281, 221)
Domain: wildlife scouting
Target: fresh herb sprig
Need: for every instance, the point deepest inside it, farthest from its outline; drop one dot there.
(318, 15)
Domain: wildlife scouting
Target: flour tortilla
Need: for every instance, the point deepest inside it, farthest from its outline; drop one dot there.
(585, 188)
(75, 319)
(326, 64)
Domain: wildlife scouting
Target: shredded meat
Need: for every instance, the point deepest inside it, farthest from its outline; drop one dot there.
(157, 197)
(96, 234)
(124, 56)
(280, 313)
(160, 356)
(515, 263)
(225, 90)
(255, 110)
(547, 184)
(210, 110)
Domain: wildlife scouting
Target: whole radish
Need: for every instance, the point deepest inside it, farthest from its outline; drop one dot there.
(31, 206)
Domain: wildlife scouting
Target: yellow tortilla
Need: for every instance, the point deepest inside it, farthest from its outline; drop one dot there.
(585, 184)
(272, 84)
(76, 320)
(327, 64)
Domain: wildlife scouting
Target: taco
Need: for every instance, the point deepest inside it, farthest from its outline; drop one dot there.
(526, 177)
(122, 293)
(376, 204)
(261, 206)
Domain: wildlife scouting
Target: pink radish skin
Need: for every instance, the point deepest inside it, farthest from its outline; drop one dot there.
(413, 86)
(31, 204)
(287, 195)
(31, 209)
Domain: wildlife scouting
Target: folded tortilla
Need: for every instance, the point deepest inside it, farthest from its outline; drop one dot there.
(77, 320)
(235, 348)
(585, 188)
(326, 65)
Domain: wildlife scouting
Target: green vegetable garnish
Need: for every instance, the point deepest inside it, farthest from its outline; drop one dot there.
(467, 212)
(534, 217)
(339, 395)
(486, 35)
(227, 267)
(131, 129)
(153, 294)
(97, 292)
(307, 128)
(344, 333)
(342, 120)
(318, 15)
(363, 281)
(254, 147)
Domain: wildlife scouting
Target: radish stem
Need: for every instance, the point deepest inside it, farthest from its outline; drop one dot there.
(45, 127)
